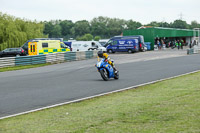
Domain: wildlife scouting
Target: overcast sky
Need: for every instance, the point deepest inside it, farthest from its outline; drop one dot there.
(144, 11)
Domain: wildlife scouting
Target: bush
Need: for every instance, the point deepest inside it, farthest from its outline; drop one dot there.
(97, 38)
(86, 37)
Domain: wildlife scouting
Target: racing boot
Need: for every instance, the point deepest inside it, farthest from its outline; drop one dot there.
(115, 70)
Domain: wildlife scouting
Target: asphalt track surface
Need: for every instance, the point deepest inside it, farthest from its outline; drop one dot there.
(30, 89)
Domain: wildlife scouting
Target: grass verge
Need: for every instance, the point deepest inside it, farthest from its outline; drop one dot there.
(21, 67)
(169, 106)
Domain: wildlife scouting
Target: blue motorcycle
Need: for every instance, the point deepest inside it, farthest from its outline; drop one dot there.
(106, 70)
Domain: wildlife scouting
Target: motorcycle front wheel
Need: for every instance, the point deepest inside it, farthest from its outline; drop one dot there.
(104, 74)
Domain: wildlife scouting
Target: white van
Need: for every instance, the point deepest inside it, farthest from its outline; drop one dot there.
(86, 46)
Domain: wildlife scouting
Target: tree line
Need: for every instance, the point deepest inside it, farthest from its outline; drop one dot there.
(103, 27)
(14, 32)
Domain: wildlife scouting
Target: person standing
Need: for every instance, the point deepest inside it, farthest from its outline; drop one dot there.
(182, 42)
(177, 44)
(162, 44)
(190, 45)
(180, 45)
(158, 44)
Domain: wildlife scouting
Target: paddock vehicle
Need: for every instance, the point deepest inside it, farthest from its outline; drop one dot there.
(38, 47)
(12, 52)
(85, 46)
(126, 44)
(25, 46)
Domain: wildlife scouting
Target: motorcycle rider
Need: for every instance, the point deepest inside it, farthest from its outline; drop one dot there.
(104, 55)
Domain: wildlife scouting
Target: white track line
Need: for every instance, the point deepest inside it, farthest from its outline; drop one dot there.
(78, 100)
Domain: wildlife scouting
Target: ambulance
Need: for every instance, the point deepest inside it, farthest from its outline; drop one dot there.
(39, 47)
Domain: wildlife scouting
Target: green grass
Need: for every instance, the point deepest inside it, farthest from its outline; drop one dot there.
(169, 106)
(21, 67)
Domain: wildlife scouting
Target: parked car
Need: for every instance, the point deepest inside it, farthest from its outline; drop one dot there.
(12, 52)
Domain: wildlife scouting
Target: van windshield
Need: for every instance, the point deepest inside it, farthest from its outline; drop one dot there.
(108, 43)
(98, 44)
(62, 45)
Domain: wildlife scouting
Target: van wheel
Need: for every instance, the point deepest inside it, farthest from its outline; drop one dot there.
(143, 50)
(130, 51)
(110, 51)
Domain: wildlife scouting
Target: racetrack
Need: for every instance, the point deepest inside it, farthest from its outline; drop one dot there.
(29, 89)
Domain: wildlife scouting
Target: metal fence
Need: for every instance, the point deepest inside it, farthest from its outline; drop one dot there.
(47, 58)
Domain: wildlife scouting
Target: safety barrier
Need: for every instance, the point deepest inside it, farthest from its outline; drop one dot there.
(7, 62)
(47, 58)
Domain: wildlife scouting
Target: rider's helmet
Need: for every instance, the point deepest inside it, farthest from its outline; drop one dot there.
(100, 54)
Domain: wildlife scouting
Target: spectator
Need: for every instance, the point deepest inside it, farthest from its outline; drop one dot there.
(173, 44)
(190, 45)
(180, 45)
(177, 44)
(182, 42)
(159, 45)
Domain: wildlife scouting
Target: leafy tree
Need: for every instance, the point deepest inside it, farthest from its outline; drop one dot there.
(194, 24)
(165, 24)
(89, 37)
(115, 27)
(154, 24)
(99, 26)
(66, 26)
(72, 33)
(132, 25)
(180, 24)
(97, 38)
(81, 28)
(48, 28)
(86, 37)
(56, 31)
(14, 32)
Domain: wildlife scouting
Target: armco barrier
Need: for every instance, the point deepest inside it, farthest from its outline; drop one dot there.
(47, 58)
(30, 60)
(80, 56)
(7, 62)
(190, 51)
(88, 54)
(95, 53)
(70, 56)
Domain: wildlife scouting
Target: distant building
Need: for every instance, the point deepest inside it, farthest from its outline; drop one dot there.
(152, 34)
